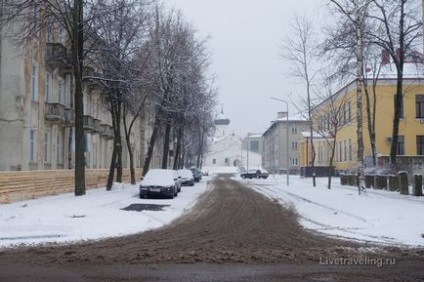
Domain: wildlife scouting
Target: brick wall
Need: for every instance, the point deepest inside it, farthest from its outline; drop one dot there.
(24, 185)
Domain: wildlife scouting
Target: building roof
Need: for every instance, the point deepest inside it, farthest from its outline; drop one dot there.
(221, 119)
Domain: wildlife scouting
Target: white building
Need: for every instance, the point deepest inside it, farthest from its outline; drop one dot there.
(226, 150)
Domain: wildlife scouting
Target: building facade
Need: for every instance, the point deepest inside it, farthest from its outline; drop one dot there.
(227, 150)
(37, 107)
(278, 155)
(411, 127)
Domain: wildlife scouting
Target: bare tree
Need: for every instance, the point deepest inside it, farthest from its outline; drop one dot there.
(355, 12)
(329, 120)
(31, 18)
(119, 30)
(299, 49)
(371, 74)
(397, 29)
(178, 61)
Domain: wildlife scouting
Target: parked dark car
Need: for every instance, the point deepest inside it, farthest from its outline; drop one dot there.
(159, 182)
(187, 177)
(255, 173)
(197, 174)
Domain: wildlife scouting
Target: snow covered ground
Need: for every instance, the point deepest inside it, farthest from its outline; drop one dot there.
(377, 216)
(98, 214)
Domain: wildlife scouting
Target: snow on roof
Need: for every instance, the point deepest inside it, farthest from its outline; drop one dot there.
(294, 117)
(410, 70)
(307, 134)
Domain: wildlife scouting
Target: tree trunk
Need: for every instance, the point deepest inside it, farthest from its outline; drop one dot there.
(199, 152)
(118, 136)
(77, 57)
(370, 117)
(70, 137)
(165, 152)
(360, 67)
(395, 134)
(314, 183)
(399, 86)
(151, 147)
(131, 156)
(109, 183)
(177, 159)
(113, 160)
(330, 170)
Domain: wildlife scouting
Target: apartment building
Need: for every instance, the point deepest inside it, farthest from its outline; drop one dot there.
(37, 108)
(411, 127)
(278, 155)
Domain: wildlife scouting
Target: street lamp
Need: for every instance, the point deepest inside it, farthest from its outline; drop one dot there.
(287, 137)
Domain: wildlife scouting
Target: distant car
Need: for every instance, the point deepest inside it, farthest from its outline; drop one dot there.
(187, 177)
(197, 173)
(255, 173)
(159, 182)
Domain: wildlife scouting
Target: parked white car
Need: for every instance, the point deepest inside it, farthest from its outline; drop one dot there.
(159, 182)
(187, 177)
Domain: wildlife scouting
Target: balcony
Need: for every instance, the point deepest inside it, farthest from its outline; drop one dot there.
(69, 117)
(88, 123)
(96, 125)
(55, 112)
(106, 131)
(57, 57)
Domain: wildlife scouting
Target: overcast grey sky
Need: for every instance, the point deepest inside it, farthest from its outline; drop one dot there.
(246, 39)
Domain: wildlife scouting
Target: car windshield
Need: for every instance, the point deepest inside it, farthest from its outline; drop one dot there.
(158, 177)
(185, 173)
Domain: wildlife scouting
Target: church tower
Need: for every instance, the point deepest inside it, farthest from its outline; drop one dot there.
(221, 125)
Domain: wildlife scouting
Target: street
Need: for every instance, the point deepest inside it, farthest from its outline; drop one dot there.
(232, 234)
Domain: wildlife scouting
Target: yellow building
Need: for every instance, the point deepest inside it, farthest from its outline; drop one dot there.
(411, 128)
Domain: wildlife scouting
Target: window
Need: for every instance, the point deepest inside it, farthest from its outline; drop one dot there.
(350, 149)
(419, 106)
(68, 93)
(214, 161)
(49, 25)
(345, 151)
(226, 160)
(401, 145)
(47, 142)
(59, 149)
(294, 129)
(328, 122)
(33, 145)
(401, 106)
(336, 152)
(420, 145)
(48, 87)
(254, 146)
(60, 35)
(347, 112)
(340, 151)
(61, 91)
(295, 161)
(344, 120)
(320, 155)
(34, 90)
(294, 145)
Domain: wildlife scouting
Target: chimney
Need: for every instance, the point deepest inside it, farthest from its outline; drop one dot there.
(281, 115)
(385, 57)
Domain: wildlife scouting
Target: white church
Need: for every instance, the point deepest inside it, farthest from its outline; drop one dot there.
(226, 150)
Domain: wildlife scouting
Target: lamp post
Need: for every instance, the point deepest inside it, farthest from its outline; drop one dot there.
(287, 137)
